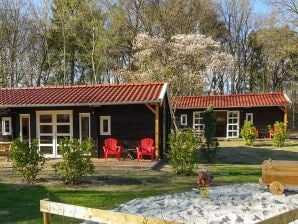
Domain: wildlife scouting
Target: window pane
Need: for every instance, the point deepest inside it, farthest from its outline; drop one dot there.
(60, 138)
(63, 129)
(25, 128)
(46, 139)
(105, 125)
(46, 129)
(46, 149)
(6, 126)
(63, 118)
(46, 118)
(85, 127)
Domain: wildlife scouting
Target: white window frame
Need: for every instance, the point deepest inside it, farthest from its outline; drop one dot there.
(54, 133)
(228, 124)
(80, 125)
(198, 126)
(21, 124)
(249, 114)
(4, 132)
(102, 118)
(183, 119)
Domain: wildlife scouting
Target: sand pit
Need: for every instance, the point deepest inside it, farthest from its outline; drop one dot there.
(237, 203)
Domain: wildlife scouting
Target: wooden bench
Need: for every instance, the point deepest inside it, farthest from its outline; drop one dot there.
(279, 173)
(6, 148)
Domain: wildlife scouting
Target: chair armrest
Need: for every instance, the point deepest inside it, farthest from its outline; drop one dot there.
(105, 148)
(152, 148)
(138, 149)
(118, 148)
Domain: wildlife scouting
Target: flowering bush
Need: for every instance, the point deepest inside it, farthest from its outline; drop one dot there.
(76, 160)
(27, 159)
(184, 151)
(248, 132)
(279, 134)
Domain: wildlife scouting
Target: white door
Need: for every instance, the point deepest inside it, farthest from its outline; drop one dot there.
(233, 124)
(52, 126)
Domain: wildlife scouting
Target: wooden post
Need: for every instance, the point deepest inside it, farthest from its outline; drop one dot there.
(155, 111)
(45, 214)
(156, 131)
(285, 116)
(46, 218)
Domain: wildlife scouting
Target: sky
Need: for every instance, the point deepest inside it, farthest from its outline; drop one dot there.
(260, 7)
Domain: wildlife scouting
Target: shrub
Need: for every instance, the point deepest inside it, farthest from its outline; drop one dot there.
(279, 134)
(27, 159)
(209, 120)
(76, 160)
(184, 151)
(248, 132)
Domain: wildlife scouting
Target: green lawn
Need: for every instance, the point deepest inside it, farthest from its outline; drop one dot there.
(109, 187)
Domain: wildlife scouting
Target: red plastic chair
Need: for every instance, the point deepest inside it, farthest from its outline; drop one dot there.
(111, 148)
(145, 148)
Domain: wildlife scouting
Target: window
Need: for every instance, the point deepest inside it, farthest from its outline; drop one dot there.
(183, 119)
(84, 126)
(105, 125)
(249, 117)
(6, 126)
(25, 134)
(198, 121)
(233, 124)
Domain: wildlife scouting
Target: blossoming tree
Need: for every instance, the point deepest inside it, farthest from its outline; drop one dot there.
(184, 61)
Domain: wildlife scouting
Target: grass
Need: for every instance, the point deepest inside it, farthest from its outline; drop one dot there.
(109, 187)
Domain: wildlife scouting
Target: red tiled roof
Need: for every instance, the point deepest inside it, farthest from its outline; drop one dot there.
(83, 95)
(224, 101)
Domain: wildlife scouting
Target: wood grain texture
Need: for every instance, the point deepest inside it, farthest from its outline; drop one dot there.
(283, 218)
(97, 215)
(285, 172)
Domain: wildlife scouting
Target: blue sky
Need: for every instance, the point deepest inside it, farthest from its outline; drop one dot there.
(260, 7)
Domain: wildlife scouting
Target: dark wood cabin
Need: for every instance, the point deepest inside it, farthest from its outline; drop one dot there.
(127, 112)
(231, 111)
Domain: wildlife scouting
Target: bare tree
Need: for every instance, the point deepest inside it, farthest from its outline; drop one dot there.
(287, 8)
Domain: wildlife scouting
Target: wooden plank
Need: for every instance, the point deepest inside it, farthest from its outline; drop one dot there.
(150, 108)
(156, 131)
(286, 117)
(284, 180)
(285, 217)
(97, 215)
(282, 173)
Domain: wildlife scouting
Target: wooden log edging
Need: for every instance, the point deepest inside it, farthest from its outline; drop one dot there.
(283, 218)
(95, 215)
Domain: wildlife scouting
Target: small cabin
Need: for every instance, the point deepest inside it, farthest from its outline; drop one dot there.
(263, 109)
(127, 112)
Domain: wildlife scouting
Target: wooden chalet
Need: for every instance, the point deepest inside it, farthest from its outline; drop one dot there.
(262, 109)
(127, 112)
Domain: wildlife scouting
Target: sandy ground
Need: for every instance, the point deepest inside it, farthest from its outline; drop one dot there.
(238, 203)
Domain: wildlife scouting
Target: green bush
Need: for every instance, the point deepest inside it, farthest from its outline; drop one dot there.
(184, 147)
(248, 132)
(76, 160)
(27, 159)
(209, 149)
(279, 134)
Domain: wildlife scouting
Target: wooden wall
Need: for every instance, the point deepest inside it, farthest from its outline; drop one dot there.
(129, 123)
(262, 116)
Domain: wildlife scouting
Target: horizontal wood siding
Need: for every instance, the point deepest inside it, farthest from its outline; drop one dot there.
(262, 116)
(129, 123)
